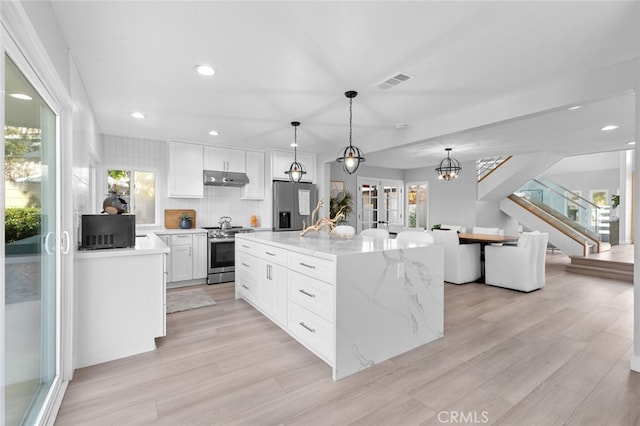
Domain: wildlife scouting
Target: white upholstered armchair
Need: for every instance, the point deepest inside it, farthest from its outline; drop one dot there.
(518, 268)
(461, 261)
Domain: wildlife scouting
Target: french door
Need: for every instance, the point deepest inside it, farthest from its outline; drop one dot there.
(31, 250)
(379, 203)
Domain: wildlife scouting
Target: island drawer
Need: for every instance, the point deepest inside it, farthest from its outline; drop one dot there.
(247, 264)
(314, 295)
(311, 330)
(247, 286)
(273, 254)
(314, 267)
(247, 246)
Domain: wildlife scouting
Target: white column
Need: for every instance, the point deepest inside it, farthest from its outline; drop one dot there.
(635, 357)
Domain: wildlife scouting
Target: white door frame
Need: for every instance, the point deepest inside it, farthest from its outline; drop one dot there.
(381, 182)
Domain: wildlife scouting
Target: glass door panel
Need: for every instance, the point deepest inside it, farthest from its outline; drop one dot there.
(30, 248)
(379, 203)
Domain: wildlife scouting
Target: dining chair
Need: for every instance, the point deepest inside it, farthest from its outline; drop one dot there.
(375, 233)
(487, 231)
(415, 237)
(520, 267)
(461, 261)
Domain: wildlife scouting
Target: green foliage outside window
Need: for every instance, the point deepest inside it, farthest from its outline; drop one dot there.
(21, 223)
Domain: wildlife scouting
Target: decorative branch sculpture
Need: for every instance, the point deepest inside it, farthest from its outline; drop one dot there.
(323, 223)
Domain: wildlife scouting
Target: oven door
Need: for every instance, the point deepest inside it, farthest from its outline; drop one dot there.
(221, 255)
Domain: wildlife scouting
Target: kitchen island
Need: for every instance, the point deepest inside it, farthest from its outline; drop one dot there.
(353, 302)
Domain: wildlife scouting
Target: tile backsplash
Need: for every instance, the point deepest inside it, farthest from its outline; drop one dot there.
(151, 155)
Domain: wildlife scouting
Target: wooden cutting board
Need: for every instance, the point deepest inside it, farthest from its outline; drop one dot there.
(172, 218)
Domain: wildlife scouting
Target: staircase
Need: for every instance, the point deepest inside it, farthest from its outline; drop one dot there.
(574, 224)
(601, 268)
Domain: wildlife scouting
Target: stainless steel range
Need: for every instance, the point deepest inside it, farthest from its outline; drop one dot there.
(221, 253)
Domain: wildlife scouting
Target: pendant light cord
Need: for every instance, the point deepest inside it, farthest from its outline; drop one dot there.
(295, 144)
(350, 120)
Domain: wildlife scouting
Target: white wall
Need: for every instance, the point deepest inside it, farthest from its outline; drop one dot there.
(151, 155)
(585, 181)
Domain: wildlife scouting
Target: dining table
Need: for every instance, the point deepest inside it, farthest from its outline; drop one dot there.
(483, 240)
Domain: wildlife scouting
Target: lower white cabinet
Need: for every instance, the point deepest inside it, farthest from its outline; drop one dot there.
(181, 257)
(282, 284)
(188, 257)
(200, 242)
(261, 277)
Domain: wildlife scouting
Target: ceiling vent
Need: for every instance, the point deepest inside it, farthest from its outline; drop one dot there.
(394, 80)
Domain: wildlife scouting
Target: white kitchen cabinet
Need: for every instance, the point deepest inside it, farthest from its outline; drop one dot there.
(281, 160)
(188, 257)
(254, 190)
(167, 240)
(181, 257)
(224, 159)
(261, 274)
(185, 170)
(200, 242)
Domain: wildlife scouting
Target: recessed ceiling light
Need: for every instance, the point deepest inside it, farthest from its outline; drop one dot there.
(575, 107)
(21, 96)
(294, 145)
(214, 133)
(609, 127)
(205, 70)
(631, 143)
(138, 115)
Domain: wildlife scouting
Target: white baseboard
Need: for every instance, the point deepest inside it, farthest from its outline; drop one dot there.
(635, 362)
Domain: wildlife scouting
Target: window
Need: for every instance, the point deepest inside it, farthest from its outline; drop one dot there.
(138, 189)
(417, 207)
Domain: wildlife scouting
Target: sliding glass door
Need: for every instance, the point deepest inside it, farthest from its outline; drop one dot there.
(31, 272)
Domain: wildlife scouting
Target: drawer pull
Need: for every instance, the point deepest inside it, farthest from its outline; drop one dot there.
(269, 253)
(306, 293)
(245, 246)
(302, 324)
(245, 287)
(245, 265)
(307, 266)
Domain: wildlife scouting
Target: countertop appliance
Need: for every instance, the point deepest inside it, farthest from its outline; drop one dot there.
(106, 231)
(221, 260)
(293, 204)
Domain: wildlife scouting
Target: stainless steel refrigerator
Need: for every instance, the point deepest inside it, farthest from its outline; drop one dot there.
(293, 204)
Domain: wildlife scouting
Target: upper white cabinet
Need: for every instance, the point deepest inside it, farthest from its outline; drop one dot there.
(254, 190)
(224, 159)
(185, 170)
(280, 162)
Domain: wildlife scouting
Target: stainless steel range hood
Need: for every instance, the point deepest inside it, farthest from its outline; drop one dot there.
(218, 178)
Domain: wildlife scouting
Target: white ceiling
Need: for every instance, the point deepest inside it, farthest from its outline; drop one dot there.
(277, 62)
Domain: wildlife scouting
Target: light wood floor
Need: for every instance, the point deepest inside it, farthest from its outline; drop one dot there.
(555, 356)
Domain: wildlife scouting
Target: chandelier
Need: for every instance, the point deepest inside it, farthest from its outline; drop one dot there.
(296, 170)
(449, 168)
(351, 156)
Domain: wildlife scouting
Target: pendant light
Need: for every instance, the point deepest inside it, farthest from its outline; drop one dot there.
(351, 156)
(296, 170)
(449, 168)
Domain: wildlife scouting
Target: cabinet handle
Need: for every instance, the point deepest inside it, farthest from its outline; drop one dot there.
(269, 253)
(245, 246)
(190, 251)
(244, 286)
(245, 265)
(306, 293)
(307, 266)
(302, 324)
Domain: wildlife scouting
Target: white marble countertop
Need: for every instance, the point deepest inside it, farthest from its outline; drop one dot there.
(322, 245)
(146, 243)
